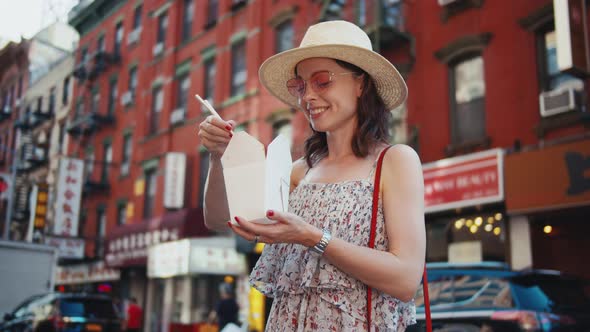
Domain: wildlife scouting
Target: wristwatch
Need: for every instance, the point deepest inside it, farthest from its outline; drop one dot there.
(320, 247)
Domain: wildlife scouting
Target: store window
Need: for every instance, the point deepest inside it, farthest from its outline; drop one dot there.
(485, 232)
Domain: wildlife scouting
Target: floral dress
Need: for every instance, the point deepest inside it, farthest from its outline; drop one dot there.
(310, 294)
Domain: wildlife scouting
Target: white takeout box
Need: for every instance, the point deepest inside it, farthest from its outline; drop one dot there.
(253, 183)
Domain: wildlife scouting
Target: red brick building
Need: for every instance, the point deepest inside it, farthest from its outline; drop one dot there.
(485, 76)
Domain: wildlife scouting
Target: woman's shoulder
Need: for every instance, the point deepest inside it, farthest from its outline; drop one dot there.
(298, 172)
(401, 159)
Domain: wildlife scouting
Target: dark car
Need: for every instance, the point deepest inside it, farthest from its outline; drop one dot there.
(63, 312)
(489, 297)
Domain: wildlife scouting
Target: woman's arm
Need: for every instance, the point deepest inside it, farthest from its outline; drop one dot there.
(397, 271)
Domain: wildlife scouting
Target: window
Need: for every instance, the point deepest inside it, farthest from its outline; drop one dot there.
(100, 44)
(118, 38)
(65, 93)
(89, 162)
(79, 108)
(187, 19)
(94, 107)
(107, 159)
(112, 96)
(468, 104)
(39, 104)
(137, 17)
(238, 66)
(62, 133)
(212, 8)
(284, 36)
(84, 55)
(203, 172)
(209, 83)
(362, 13)
(122, 213)
(551, 78)
(392, 14)
(183, 84)
(52, 92)
(162, 25)
(157, 104)
(126, 157)
(132, 82)
(150, 193)
(101, 222)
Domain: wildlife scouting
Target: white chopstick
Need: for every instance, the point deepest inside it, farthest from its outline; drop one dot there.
(207, 106)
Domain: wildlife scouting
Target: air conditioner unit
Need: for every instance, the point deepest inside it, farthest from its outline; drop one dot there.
(126, 98)
(133, 36)
(158, 48)
(177, 116)
(446, 2)
(558, 101)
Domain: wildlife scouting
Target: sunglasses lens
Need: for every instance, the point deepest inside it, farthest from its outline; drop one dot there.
(320, 81)
(296, 87)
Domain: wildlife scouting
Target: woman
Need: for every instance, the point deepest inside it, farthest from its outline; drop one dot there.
(317, 265)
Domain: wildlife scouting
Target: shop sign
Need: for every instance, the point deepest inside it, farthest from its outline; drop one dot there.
(547, 179)
(174, 180)
(85, 273)
(213, 255)
(67, 247)
(69, 192)
(468, 180)
(133, 247)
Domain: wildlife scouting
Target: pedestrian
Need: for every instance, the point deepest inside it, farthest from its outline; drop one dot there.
(134, 316)
(226, 310)
(318, 263)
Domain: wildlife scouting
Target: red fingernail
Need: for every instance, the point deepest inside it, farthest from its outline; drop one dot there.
(229, 224)
(231, 135)
(228, 127)
(270, 213)
(236, 218)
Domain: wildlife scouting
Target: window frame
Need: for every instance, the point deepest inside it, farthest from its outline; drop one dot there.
(151, 179)
(238, 58)
(187, 19)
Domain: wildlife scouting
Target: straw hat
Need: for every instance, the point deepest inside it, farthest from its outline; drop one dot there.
(337, 40)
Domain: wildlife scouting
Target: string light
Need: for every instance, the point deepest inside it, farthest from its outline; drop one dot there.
(478, 221)
(548, 229)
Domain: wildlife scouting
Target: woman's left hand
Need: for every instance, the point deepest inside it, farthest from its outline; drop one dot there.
(289, 228)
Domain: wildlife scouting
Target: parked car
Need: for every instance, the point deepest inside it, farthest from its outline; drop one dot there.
(489, 297)
(63, 312)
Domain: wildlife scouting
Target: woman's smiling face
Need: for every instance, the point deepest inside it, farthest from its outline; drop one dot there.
(330, 93)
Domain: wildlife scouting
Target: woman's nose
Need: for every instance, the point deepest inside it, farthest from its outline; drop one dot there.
(309, 94)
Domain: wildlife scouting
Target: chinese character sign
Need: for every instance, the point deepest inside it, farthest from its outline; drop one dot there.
(69, 193)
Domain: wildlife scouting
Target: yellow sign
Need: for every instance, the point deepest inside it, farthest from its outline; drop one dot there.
(129, 210)
(139, 187)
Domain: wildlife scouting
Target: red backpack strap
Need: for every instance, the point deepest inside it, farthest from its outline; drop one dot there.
(376, 185)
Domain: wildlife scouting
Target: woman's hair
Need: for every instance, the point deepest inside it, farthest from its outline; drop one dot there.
(373, 126)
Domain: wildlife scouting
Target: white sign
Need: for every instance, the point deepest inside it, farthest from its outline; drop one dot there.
(67, 247)
(69, 193)
(168, 259)
(174, 180)
(253, 183)
(212, 255)
(465, 252)
(132, 248)
(85, 273)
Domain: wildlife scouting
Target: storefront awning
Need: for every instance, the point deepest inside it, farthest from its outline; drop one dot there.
(127, 245)
(552, 178)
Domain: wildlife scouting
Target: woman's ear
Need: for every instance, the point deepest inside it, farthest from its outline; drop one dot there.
(361, 83)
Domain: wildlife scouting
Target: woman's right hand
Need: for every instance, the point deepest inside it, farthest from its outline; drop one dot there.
(215, 134)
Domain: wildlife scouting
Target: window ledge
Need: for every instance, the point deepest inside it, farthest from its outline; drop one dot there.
(467, 147)
(239, 97)
(564, 120)
(457, 7)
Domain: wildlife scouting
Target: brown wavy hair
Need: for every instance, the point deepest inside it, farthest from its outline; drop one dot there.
(373, 125)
